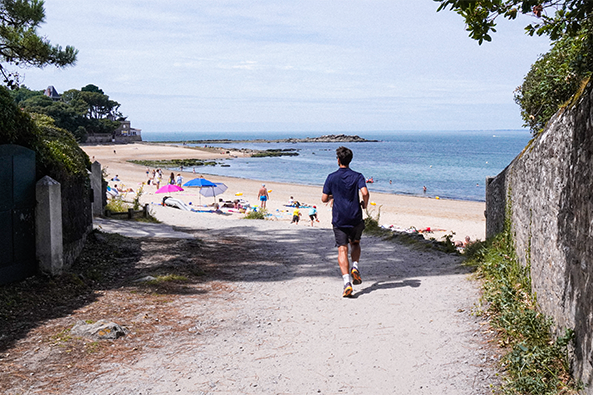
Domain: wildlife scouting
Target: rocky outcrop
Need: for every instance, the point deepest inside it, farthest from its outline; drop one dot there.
(547, 193)
(330, 138)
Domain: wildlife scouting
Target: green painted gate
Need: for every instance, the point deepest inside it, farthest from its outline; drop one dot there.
(17, 213)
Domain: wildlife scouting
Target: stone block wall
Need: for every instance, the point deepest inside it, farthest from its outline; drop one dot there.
(109, 139)
(77, 217)
(549, 193)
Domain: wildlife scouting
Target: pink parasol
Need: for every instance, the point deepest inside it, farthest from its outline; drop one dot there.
(169, 188)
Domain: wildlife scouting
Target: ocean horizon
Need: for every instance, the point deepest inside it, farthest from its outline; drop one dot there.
(450, 164)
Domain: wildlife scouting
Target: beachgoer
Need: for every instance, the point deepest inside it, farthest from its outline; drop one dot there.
(179, 180)
(114, 152)
(116, 178)
(263, 196)
(296, 215)
(313, 214)
(290, 201)
(172, 178)
(467, 241)
(424, 188)
(342, 187)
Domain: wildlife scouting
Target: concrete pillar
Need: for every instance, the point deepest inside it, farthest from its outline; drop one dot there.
(96, 186)
(48, 226)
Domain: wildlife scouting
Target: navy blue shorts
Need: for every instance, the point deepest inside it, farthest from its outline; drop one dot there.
(348, 235)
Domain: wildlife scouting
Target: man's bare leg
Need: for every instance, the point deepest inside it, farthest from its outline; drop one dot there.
(343, 259)
(345, 269)
(355, 254)
(355, 250)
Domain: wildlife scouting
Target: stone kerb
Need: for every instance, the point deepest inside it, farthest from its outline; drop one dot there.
(48, 226)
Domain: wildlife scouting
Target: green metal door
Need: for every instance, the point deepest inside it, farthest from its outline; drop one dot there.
(17, 213)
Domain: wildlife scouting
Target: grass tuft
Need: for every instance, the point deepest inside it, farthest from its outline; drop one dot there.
(259, 214)
(167, 279)
(117, 205)
(535, 362)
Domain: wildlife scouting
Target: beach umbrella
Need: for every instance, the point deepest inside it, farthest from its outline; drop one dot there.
(169, 188)
(199, 183)
(217, 189)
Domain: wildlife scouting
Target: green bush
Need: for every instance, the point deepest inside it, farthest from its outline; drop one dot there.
(259, 214)
(56, 151)
(117, 205)
(554, 78)
(371, 223)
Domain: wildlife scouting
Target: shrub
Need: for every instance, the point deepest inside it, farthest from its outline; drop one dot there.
(259, 214)
(117, 205)
(554, 78)
(371, 223)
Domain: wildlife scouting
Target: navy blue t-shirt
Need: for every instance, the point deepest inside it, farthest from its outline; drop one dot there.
(344, 185)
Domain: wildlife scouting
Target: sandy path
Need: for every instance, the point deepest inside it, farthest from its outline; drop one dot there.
(283, 328)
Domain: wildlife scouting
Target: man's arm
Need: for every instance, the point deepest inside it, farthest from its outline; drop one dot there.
(326, 198)
(365, 197)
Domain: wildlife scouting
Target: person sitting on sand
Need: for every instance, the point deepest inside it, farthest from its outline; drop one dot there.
(124, 190)
(464, 243)
(291, 201)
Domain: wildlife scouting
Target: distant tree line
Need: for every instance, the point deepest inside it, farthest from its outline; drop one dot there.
(83, 112)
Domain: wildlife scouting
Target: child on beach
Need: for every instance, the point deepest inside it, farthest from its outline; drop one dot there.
(313, 214)
(296, 215)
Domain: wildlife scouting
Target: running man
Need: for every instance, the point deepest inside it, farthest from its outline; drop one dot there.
(343, 187)
(263, 195)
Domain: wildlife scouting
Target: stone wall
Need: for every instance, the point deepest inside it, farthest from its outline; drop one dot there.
(109, 139)
(549, 194)
(77, 217)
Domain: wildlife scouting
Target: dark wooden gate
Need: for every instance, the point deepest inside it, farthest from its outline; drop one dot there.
(17, 213)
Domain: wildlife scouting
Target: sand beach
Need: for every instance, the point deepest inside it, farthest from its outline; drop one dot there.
(443, 216)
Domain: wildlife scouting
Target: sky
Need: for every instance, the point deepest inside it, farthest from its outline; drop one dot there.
(311, 65)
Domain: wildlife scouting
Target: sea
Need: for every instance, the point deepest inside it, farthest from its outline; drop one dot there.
(450, 164)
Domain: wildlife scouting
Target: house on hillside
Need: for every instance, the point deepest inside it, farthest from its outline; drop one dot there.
(52, 93)
(126, 130)
(125, 133)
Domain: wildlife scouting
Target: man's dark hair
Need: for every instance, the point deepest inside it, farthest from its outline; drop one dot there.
(344, 155)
